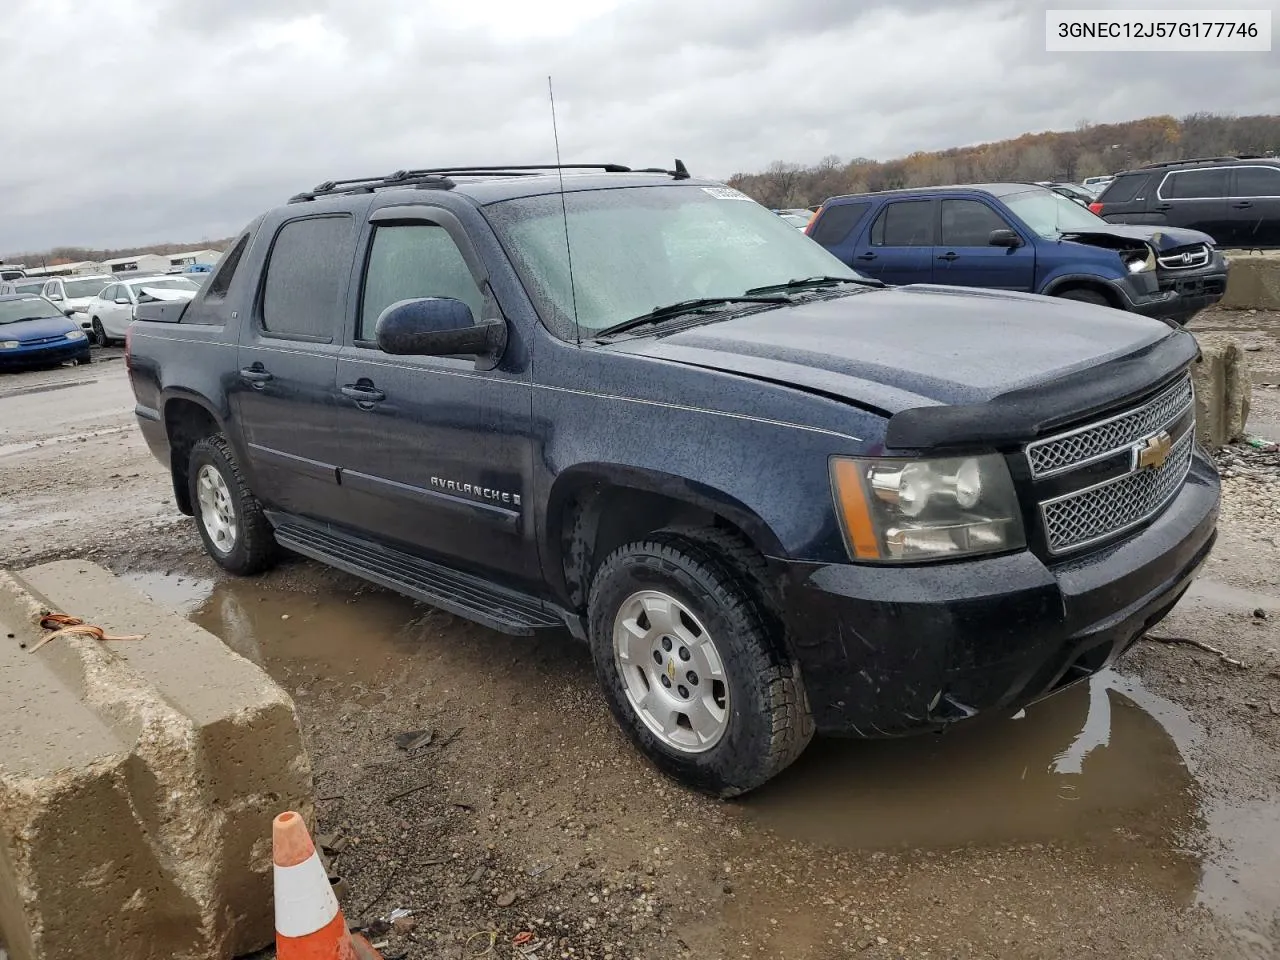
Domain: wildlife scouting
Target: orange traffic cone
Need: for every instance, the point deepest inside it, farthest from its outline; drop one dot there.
(309, 922)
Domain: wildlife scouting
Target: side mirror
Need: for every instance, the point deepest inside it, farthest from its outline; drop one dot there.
(55, 297)
(69, 312)
(438, 327)
(1004, 238)
(124, 300)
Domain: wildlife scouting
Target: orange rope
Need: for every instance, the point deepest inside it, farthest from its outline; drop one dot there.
(61, 623)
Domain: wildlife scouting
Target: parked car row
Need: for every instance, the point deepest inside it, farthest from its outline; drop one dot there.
(98, 307)
(1023, 237)
(787, 498)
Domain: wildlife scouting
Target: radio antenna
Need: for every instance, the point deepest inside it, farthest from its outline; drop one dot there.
(564, 213)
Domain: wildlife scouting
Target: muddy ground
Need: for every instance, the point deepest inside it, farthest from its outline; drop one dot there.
(1138, 817)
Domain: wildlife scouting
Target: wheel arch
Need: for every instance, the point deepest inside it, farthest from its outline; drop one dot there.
(188, 418)
(593, 508)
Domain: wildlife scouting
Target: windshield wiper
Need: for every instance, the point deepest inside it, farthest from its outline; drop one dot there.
(658, 314)
(806, 282)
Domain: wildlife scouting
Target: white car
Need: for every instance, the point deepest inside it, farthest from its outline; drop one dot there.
(74, 294)
(22, 286)
(111, 311)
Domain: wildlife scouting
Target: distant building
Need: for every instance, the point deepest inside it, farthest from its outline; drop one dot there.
(179, 261)
(79, 268)
(141, 263)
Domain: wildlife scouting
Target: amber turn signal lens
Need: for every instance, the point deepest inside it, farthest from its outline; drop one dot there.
(851, 500)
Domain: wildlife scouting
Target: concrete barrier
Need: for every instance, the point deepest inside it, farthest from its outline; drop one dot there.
(1253, 282)
(1223, 390)
(138, 779)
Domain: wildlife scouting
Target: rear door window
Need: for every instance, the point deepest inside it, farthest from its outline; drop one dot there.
(1196, 185)
(1124, 188)
(968, 223)
(838, 221)
(1257, 182)
(904, 223)
(306, 276)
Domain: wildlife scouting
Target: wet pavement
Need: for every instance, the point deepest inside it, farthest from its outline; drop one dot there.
(1106, 770)
(1138, 816)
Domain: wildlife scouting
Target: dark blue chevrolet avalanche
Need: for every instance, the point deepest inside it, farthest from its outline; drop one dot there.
(1023, 237)
(771, 495)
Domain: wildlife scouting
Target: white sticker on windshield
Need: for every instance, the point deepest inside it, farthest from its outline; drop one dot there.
(725, 193)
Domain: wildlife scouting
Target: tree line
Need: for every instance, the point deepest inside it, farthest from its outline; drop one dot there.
(1087, 151)
(61, 255)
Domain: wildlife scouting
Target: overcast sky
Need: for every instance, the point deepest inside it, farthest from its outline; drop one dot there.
(137, 121)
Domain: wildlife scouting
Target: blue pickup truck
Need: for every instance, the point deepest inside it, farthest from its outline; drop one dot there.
(1023, 237)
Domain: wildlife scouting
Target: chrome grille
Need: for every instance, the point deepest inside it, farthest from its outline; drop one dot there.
(1092, 514)
(1102, 439)
(1187, 258)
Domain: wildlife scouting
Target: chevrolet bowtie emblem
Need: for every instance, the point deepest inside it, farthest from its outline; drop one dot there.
(1154, 451)
(671, 670)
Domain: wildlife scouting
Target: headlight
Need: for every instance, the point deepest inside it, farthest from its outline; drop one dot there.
(894, 510)
(1140, 264)
(9, 344)
(76, 335)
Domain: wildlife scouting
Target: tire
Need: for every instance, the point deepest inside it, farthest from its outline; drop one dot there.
(757, 706)
(234, 529)
(1084, 296)
(100, 334)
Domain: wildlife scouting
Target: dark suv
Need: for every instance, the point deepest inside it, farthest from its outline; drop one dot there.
(1235, 200)
(772, 495)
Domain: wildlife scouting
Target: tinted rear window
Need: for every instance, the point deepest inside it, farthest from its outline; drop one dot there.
(309, 265)
(1125, 188)
(905, 223)
(1196, 184)
(838, 221)
(1257, 182)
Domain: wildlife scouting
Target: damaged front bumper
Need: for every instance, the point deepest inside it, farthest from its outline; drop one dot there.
(889, 651)
(1174, 294)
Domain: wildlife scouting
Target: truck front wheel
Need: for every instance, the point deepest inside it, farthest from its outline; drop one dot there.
(230, 520)
(691, 669)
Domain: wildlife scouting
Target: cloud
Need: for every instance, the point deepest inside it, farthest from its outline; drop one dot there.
(160, 119)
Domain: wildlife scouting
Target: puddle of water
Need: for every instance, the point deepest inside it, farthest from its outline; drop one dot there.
(1107, 763)
(354, 639)
(1089, 759)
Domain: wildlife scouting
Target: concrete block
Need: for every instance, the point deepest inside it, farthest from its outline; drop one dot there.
(138, 779)
(1224, 390)
(1253, 283)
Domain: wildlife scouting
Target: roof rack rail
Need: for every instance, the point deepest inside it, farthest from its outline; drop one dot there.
(1175, 163)
(440, 177)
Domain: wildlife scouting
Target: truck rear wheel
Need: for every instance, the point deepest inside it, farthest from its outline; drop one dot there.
(232, 525)
(692, 668)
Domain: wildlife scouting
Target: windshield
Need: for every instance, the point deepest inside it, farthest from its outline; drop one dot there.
(173, 283)
(637, 248)
(28, 308)
(1049, 213)
(83, 288)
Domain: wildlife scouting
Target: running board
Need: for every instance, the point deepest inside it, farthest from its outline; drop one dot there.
(464, 594)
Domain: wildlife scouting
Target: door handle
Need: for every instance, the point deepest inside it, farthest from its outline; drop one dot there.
(1163, 206)
(865, 256)
(949, 256)
(364, 393)
(255, 376)
(1242, 205)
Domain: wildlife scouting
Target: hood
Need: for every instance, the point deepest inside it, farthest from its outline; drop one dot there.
(76, 303)
(1161, 238)
(159, 293)
(905, 348)
(26, 330)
